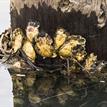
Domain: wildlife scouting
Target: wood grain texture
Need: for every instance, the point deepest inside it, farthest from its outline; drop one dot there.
(84, 17)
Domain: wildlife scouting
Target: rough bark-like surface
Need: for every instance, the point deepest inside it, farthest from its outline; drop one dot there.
(84, 17)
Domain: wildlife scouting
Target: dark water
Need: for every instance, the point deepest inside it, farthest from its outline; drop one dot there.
(93, 96)
(94, 99)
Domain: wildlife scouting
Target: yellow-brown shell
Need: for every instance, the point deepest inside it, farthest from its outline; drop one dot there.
(77, 40)
(32, 31)
(90, 61)
(60, 38)
(80, 55)
(44, 46)
(66, 50)
(17, 38)
(29, 50)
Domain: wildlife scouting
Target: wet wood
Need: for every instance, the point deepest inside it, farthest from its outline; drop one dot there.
(85, 17)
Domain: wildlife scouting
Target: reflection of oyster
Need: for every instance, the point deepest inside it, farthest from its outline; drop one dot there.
(18, 102)
(29, 50)
(44, 46)
(18, 86)
(60, 38)
(33, 98)
(17, 38)
(32, 30)
(45, 87)
(64, 92)
(30, 79)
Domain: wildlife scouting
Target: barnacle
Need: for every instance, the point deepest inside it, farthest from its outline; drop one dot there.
(60, 38)
(29, 50)
(32, 30)
(17, 38)
(44, 46)
(90, 61)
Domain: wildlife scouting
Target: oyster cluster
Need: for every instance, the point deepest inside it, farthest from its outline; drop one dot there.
(39, 42)
(34, 43)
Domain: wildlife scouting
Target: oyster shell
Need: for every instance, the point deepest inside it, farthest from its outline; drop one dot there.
(44, 46)
(90, 61)
(29, 50)
(5, 42)
(77, 40)
(60, 38)
(17, 38)
(32, 30)
(66, 50)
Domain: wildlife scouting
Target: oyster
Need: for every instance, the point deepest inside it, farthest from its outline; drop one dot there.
(32, 30)
(29, 50)
(17, 38)
(80, 56)
(44, 46)
(5, 42)
(66, 50)
(60, 38)
(76, 40)
(90, 61)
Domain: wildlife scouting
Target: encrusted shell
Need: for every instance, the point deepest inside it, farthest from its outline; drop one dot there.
(32, 31)
(17, 39)
(66, 50)
(60, 38)
(44, 46)
(29, 50)
(90, 61)
(77, 40)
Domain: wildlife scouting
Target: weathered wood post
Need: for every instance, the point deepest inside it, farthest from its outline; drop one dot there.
(85, 17)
